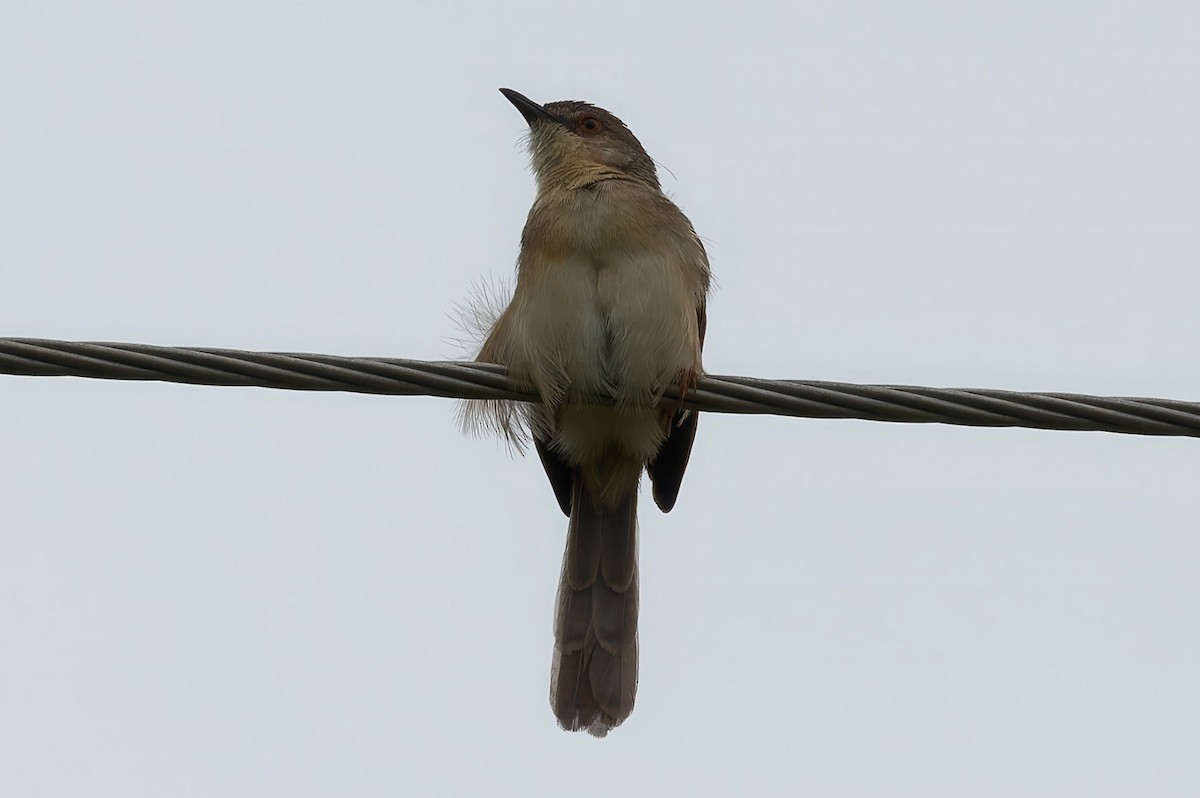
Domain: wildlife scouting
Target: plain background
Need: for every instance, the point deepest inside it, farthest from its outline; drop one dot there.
(243, 592)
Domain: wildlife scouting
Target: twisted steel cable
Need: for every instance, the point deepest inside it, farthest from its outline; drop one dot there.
(714, 394)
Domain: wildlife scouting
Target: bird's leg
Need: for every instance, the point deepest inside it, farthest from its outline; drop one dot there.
(687, 382)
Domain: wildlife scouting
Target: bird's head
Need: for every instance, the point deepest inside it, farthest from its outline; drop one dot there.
(574, 144)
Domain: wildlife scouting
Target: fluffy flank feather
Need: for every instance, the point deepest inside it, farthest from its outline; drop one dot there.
(474, 318)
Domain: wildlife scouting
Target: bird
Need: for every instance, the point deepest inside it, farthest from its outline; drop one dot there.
(610, 301)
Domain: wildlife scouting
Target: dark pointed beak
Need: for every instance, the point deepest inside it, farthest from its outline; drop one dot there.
(528, 108)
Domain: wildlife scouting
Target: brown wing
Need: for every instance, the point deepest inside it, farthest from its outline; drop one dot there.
(559, 471)
(666, 470)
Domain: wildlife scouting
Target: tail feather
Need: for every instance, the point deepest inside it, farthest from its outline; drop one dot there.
(594, 677)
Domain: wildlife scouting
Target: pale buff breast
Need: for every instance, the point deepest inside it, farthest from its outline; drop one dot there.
(608, 302)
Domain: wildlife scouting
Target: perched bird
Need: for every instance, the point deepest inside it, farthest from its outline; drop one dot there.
(609, 301)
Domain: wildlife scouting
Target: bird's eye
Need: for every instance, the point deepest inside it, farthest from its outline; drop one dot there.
(589, 124)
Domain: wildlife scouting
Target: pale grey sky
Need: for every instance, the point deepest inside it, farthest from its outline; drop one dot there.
(228, 592)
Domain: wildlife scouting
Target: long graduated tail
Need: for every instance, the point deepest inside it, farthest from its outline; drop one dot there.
(593, 681)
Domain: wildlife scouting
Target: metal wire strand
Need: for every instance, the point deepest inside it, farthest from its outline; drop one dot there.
(714, 394)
